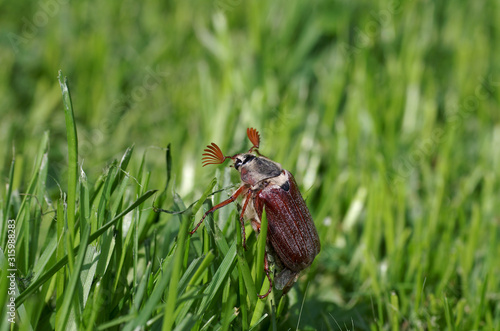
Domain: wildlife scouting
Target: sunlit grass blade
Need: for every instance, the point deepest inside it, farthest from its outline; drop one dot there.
(5, 283)
(154, 298)
(204, 196)
(62, 262)
(131, 207)
(207, 261)
(217, 280)
(44, 258)
(186, 323)
(394, 311)
(23, 226)
(191, 270)
(90, 260)
(191, 288)
(6, 207)
(72, 142)
(60, 256)
(121, 249)
(107, 240)
(95, 307)
(244, 271)
(141, 289)
(258, 311)
(447, 314)
(256, 325)
(247, 291)
(169, 318)
(482, 301)
(70, 291)
(122, 167)
(261, 250)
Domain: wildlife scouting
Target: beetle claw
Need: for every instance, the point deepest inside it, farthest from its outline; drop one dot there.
(266, 269)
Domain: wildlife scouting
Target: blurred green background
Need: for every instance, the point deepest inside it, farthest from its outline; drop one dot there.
(386, 112)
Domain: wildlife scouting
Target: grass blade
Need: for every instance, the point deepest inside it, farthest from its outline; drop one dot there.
(3, 226)
(73, 281)
(154, 298)
(72, 157)
(218, 279)
(62, 262)
(261, 250)
(180, 252)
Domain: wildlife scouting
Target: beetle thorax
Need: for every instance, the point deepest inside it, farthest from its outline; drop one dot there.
(254, 169)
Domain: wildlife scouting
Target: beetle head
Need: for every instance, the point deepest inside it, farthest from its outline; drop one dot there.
(213, 154)
(252, 168)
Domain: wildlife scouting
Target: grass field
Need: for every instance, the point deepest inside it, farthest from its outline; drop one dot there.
(386, 112)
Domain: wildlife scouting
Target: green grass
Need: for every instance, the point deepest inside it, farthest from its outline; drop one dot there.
(387, 113)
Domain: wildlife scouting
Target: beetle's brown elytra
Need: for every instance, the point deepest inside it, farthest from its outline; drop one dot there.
(292, 238)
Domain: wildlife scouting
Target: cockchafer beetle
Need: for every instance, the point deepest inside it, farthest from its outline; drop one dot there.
(292, 238)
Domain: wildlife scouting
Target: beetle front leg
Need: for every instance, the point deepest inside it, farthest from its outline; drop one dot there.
(242, 222)
(233, 197)
(266, 269)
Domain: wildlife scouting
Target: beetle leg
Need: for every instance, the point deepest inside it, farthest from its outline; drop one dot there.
(266, 269)
(233, 197)
(255, 225)
(242, 222)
